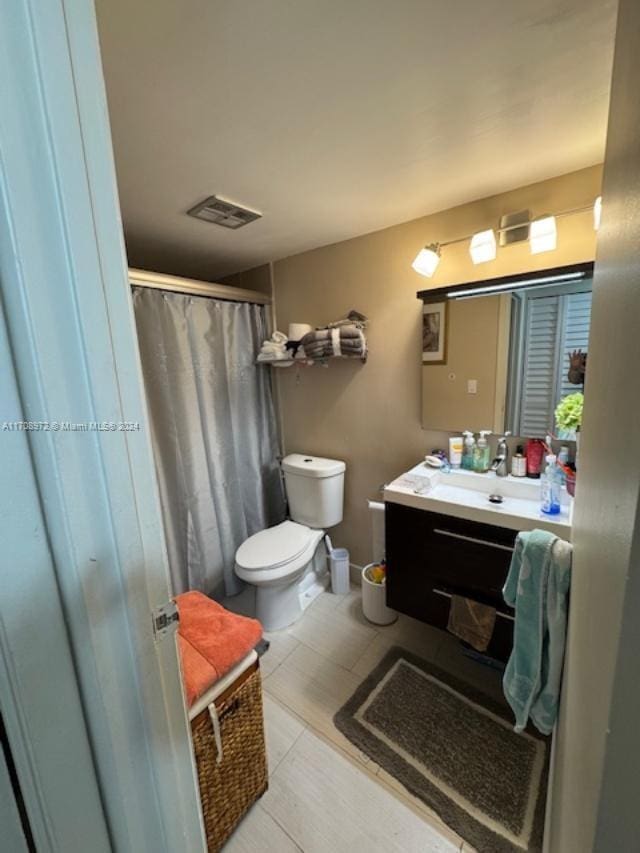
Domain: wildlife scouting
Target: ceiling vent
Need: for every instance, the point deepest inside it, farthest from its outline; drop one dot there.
(222, 212)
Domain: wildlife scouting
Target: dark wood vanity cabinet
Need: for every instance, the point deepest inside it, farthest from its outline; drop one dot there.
(431, 557)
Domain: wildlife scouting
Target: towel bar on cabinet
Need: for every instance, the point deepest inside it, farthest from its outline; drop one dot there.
(473, 539)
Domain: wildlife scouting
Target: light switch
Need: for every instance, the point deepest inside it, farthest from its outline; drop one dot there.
(472, 386)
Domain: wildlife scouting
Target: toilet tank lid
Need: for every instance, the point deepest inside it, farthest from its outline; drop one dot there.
(312, 466)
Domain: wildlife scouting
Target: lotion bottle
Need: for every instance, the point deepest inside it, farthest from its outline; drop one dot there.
(455, 451)
(519, 463)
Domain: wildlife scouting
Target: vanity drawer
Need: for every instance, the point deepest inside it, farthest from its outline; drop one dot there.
(467, 562)
(501, 642)
(429, 601)
(463, 554)
(486, 534)
(431, 556)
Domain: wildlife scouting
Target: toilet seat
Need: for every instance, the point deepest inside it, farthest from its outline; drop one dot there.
(276, 553)
(274, 546)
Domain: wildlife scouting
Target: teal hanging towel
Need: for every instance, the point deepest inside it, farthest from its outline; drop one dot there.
(538, 588)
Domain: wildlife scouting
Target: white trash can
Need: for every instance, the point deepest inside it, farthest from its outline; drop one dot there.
(374, 600)
(339, 562)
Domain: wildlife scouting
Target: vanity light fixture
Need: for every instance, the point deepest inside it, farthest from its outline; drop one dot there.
(483, 247)
(514, 228)
(543, 235)
(427, 260)
(597, 212)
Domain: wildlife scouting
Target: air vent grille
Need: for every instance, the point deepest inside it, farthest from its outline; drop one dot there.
(220, 211)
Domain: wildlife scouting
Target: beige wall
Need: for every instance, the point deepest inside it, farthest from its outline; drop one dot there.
(370, 415)
(258, 278)
(477, 346)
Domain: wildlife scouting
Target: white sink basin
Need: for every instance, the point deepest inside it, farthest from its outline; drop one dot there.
(465, 494)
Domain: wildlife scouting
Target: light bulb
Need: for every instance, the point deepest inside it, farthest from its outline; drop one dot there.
(483, 247)
(543, 235)
(427, 260)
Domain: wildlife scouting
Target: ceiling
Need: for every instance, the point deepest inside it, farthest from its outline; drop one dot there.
(339, 117)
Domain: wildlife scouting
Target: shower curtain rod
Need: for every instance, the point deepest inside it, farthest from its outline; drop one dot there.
(176, 284)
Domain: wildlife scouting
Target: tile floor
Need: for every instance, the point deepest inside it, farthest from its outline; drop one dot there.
(325, 796)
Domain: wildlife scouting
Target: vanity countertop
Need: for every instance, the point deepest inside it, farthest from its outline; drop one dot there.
(465, 494)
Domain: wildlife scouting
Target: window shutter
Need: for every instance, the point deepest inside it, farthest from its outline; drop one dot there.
(576, 336)
(537, 401)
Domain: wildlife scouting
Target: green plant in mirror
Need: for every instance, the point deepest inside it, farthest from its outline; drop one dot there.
(569, 412)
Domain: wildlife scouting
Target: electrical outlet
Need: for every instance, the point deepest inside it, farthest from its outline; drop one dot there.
(472, 386)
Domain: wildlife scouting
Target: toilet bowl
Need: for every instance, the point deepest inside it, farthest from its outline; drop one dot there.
(286, 562)
(275, 561)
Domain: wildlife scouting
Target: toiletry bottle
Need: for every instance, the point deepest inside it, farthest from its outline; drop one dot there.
(455, 451)
(467, 450)
(481, 454)
(563, 461)
(535, 449)
(519, 463)
(550, 486)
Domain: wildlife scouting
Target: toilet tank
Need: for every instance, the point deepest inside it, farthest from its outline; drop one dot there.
(315, 489)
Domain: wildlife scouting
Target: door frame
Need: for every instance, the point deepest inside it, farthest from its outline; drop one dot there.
(71, 335)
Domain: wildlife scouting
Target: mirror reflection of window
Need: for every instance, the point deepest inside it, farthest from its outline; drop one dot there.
(548, 346)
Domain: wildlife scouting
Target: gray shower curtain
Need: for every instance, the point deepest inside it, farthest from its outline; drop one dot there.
(213, 431)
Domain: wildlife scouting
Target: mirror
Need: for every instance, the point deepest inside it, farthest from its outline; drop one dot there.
(508, 352)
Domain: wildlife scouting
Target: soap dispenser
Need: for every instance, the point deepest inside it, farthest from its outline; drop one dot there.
(467, 450)
(481, 453)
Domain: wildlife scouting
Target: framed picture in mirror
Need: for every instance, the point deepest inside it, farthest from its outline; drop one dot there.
(434, 333)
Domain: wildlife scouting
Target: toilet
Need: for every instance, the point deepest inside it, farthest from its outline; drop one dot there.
(286, 563)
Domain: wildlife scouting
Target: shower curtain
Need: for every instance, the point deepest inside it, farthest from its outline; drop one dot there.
(213, 431)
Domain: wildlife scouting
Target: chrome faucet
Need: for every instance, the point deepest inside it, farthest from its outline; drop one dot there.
(499, 464)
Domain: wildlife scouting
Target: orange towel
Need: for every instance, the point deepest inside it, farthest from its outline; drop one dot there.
(211, 641)
(197, 673)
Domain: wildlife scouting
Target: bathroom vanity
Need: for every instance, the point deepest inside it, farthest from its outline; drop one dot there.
(444, 536)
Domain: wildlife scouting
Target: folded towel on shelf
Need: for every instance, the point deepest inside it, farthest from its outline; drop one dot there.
(347, 332)
(345, 341)
(353, 318)
(538, 587)
(274, 356)
(472, 622)
(269, 347)
(275, 348)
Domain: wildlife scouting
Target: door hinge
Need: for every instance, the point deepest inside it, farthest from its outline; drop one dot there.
(165, 619)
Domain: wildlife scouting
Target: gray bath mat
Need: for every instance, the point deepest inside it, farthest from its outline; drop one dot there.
(455, 749)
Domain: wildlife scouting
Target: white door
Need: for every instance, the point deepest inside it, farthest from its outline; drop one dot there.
(47, 742)
(93, 497)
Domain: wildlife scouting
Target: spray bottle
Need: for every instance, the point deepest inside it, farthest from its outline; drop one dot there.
(550, 486)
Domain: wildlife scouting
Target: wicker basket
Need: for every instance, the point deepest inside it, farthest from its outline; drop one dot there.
(229, 788)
